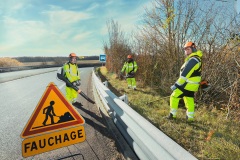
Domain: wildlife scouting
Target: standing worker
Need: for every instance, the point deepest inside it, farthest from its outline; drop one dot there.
(187, 83)
(72, 73)
(130, 67)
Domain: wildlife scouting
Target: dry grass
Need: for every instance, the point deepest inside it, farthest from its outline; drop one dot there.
(210, 136)
(53, 63)
(9, 62)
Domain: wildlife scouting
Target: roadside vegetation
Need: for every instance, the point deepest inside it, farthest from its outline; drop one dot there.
(156, 45)
(38, 61)
(9, 62)
(210, 136)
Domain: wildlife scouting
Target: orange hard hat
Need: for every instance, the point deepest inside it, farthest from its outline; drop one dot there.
(189, 44)
(72, 55)
(129, 56)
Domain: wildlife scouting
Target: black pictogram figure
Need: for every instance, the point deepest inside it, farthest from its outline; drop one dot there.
(66, 117)
(49, 113)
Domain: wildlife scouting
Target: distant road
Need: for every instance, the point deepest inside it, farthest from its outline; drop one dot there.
(18, 99)
(53, 63)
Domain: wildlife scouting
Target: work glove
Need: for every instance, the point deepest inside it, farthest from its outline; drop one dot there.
(132, 73)
(74, 84)
(121, 75)
(78, 83)
(173, 87)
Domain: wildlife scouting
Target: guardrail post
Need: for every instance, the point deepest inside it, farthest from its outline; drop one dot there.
(106, 83)
(124, 98)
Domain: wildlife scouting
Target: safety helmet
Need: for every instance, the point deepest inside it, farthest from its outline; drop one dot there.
(129, 56)
(189, 44)
(72, 55)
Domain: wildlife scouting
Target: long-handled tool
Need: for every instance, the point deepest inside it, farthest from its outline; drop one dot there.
(62, 78)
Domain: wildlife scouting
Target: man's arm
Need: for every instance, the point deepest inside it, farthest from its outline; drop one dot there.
(124, 67)
(67, 70)
(135, 66)
(53, 112)
(78, 72)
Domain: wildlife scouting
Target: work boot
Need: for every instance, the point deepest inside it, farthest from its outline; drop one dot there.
(170, 117)
(190, 120)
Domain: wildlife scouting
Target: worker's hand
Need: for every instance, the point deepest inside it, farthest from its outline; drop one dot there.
(78, 83)
(74, 83)
(173, 87)
(132, 73)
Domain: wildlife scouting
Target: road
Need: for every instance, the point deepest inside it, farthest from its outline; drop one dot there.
(18, 99)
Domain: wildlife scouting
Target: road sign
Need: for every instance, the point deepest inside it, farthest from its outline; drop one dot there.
(43, 143)
(53, 112)
(102, 58)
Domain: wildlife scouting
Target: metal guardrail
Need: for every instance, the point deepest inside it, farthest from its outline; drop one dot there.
(145, 139)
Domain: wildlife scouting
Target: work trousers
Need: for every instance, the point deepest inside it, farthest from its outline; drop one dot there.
(131, 82)
(188, 100)
(71, 94)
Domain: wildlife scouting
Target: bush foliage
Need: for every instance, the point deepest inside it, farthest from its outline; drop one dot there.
(157, 48)
(9, 62)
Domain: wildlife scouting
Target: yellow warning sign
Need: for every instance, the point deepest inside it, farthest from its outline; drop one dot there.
(51, 141)
(53, 112)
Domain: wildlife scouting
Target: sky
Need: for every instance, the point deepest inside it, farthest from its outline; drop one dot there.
(59, 27)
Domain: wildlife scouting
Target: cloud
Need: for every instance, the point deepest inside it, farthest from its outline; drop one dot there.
(65, 17)
(19, 32)
(93, 6)
(81, 36)
(50, 28)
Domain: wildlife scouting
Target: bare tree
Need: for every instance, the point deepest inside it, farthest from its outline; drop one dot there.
(117, 48)
(168, 25)
(159, 41)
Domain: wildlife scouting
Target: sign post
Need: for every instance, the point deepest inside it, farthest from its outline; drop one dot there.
(102, 58)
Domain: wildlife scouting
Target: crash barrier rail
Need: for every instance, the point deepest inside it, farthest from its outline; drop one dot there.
(20, 68)
(145, 139)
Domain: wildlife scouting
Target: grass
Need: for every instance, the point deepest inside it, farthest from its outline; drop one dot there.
(54, 63)
(7, 62)
(210, 136)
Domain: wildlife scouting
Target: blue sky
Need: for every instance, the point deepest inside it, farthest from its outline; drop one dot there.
(58, 27)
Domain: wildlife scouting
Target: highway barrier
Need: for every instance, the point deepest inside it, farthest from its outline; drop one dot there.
(147, 141)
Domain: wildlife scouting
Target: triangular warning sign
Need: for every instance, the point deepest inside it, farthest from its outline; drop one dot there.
(53, 112)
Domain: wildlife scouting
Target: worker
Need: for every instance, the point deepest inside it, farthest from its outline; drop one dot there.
(187, 83)
(130, 67)
(72, 73)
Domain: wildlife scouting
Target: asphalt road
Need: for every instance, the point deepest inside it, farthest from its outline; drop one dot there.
(18, 99)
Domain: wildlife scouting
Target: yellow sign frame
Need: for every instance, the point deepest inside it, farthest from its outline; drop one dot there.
(43, 143)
